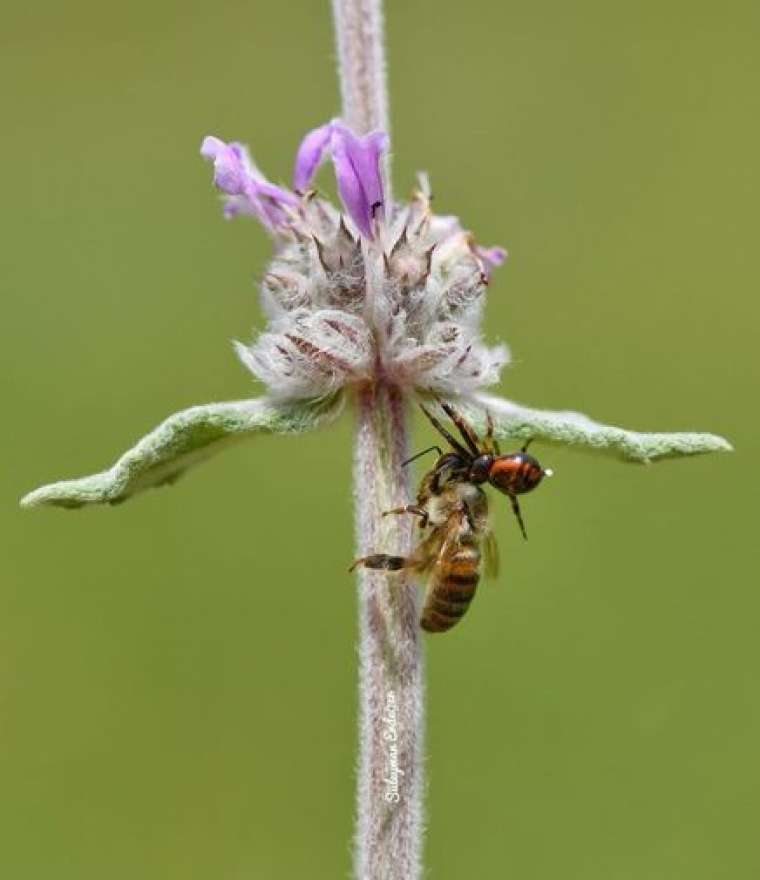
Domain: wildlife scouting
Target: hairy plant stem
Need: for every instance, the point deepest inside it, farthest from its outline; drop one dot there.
(389, 791)
(388, 835)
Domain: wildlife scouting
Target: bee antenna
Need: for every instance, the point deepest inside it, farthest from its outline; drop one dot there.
(420, 454)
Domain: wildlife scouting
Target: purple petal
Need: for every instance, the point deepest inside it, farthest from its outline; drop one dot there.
(364, 153)
(492, 257)
(309, 156)
(357, 170)
(276, 194)
(248, 191)
(234, 206)
(350, 189)
(270, 202)
(229, 164)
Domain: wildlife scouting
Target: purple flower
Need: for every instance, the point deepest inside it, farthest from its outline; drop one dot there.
(310, 155)
(230, 172)
(357, 169)
(248, 191)
(490, 257)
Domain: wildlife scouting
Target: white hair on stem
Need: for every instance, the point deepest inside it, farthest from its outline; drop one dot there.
(361, 63)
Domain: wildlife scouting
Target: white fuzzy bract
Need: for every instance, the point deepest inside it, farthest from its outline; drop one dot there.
(403, 306)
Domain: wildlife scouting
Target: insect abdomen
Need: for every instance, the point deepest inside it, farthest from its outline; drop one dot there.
(451, 589)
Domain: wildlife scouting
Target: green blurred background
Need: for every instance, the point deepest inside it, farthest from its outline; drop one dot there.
(177, 694)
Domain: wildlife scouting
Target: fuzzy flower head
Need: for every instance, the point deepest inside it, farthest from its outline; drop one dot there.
(377, 291)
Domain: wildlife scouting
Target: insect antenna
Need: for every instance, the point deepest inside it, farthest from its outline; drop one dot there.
(420, 454)
(518, 514)
(455, 444)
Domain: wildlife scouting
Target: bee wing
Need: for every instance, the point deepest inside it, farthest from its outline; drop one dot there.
(429, 550)
(434, 547)
(490, 556)
(448, 535)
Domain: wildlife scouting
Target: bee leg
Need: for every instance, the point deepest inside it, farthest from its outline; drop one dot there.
(516, 511)
(383, 562)
(411, 508)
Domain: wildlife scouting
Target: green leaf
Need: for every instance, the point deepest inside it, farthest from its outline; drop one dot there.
(512, 421)
(181, 441)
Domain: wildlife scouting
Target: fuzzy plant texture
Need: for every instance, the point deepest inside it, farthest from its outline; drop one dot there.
(379, 292)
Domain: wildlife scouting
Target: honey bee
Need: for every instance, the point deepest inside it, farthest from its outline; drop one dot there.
(453, 511)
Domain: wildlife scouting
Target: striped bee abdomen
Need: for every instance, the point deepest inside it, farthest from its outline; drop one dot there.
(451, 588)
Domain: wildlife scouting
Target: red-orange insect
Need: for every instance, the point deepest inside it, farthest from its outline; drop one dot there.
(454, 507)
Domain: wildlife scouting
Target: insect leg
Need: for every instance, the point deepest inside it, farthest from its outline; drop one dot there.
(384, 562)
(455, 444)
(410, 508)
(491, 444)
(465, 429)
(516, 511)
